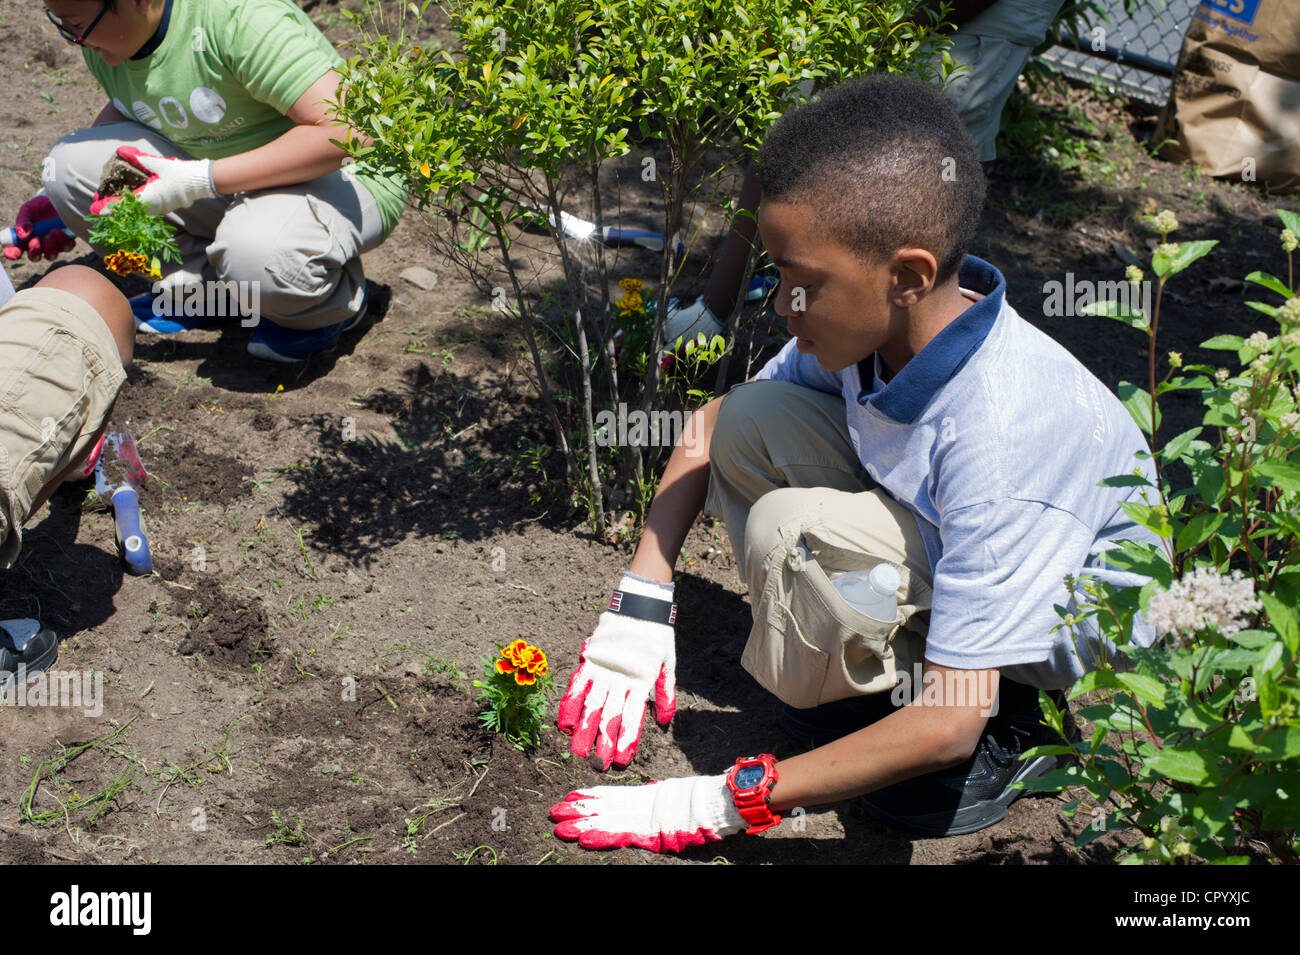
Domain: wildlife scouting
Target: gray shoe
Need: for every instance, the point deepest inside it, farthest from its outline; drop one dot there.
(26, 648)
(685, 322)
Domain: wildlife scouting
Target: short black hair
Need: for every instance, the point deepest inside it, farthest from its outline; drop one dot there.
(886, 163)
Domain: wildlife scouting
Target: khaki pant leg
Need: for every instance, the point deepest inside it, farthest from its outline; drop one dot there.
(302, 245)
(772, 434)
(800, 510)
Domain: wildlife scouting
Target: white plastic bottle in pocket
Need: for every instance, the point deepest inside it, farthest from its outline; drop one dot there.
(874, 594)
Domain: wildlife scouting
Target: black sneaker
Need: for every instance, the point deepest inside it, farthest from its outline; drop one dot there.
(26, 648)
(975, 794)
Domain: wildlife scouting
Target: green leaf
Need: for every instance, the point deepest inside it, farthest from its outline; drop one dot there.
(1147, 689)
(1150, 517)
(1284, 621)
(1142, 558)
(1270, 282)
(1124, 480)
(1280, 742)
(1290, 220)
(1198, 529)
(1182, 765)
(1280, 474)
(1138, 403)
(1189, 252)
(1053, 781)
(1224, 343)
(1118, 311)
(1178, 446)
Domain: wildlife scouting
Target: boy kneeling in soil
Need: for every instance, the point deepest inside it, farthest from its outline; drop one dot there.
(65, 344)
(915, 421)
(221, 105)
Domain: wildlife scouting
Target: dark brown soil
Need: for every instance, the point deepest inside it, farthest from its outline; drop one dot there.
(228, 630)
(120, 177)
(193, 474)
(334, 541)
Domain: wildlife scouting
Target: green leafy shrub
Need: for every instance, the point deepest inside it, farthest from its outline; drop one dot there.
(539, 98)
(1207, 720)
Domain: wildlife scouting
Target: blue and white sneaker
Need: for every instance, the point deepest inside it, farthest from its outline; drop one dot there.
(147, 321)
(272, 342)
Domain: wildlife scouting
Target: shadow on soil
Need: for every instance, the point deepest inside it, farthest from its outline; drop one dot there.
(454, 470)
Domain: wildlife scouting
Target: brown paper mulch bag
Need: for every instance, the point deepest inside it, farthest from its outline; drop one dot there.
(1234, 105)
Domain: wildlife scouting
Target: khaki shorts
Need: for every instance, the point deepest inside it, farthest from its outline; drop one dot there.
(800, 509)
(59, 375)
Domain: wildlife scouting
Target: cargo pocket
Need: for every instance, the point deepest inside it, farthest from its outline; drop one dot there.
(312, 252)
(809, 646)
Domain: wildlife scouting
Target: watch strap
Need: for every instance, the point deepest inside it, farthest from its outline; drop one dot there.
(643, 608)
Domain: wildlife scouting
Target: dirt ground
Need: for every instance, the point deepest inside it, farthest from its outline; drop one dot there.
(338, 545)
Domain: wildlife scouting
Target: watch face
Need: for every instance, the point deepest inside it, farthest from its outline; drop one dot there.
(747, 777)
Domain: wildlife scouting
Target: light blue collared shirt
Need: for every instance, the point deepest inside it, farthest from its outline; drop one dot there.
(994, 437)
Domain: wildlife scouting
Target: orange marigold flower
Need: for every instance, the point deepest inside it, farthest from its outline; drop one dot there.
(512, 651)
(632, 285)
(530, 658)
(126, 263)
(505, 666)
(524, 678)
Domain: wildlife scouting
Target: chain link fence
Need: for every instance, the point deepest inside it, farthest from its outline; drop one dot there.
(1137, 54)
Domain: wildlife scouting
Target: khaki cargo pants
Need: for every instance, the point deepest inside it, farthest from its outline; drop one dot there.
(799, 509)
(59, 376)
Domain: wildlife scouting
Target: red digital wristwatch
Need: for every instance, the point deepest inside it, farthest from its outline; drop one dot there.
(750, 782)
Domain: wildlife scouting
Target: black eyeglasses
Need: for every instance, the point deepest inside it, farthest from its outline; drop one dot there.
(69, 35)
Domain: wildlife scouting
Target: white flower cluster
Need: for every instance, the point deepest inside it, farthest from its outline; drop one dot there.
(1165, 221)
(1240, 397)
(1289, 311)
(1204, 599)
(1258, 341)
(1247, 432)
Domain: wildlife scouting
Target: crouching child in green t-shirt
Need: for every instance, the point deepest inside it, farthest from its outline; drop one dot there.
(222, 104)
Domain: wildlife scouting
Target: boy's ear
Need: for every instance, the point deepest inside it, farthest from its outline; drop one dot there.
(914, 271)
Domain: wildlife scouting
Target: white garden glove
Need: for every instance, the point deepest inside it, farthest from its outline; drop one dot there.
(173, 183)
(622, 662)
(668, 816)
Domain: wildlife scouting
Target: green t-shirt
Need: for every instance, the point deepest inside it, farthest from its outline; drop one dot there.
(224, 77)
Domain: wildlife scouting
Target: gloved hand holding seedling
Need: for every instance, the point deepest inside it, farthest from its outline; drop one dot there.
(139, 240)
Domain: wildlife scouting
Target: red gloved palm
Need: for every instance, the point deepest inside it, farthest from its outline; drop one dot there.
(49, 246)
(667, 816)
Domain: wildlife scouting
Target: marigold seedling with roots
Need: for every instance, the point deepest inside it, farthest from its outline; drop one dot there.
(140, 241)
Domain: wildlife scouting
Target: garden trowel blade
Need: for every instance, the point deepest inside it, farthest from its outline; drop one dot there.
(127, 458)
